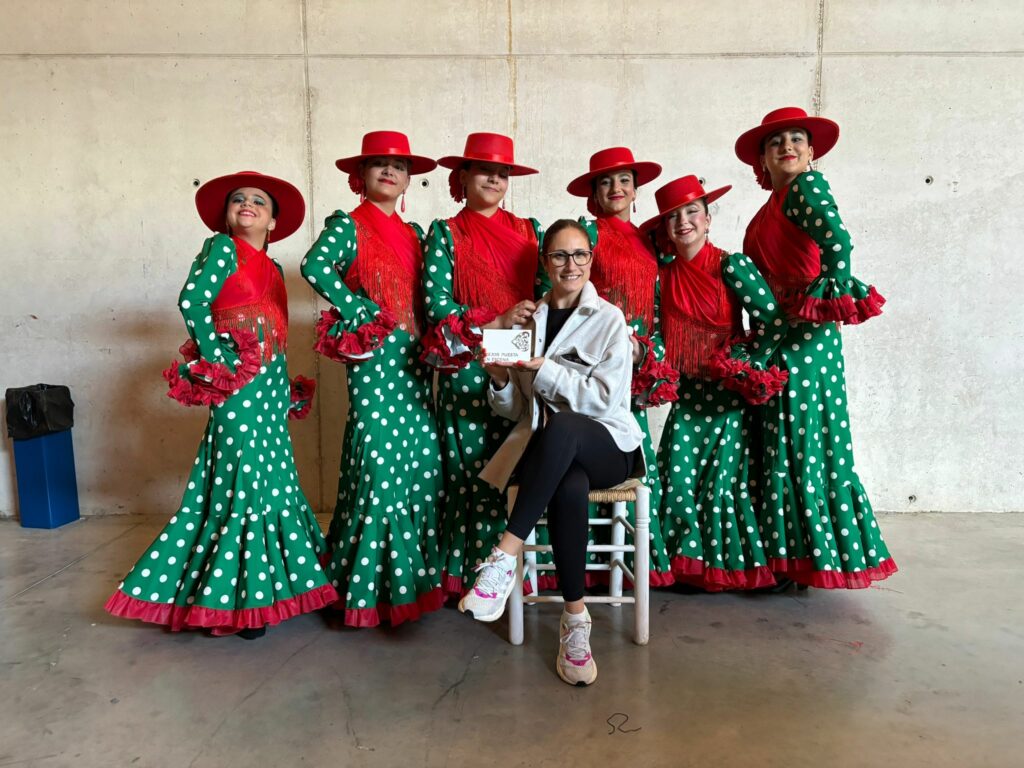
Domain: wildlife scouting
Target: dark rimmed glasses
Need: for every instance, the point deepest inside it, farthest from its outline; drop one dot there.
(580, 258)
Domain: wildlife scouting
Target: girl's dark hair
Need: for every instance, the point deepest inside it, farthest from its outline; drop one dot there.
(561, 225)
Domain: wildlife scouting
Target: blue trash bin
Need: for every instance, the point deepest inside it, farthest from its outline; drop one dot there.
(39, 418)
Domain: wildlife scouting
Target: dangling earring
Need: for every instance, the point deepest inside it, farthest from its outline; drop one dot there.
(362, 197)
(403, 202)
(634, 205)
(503, 203)
(463, 191)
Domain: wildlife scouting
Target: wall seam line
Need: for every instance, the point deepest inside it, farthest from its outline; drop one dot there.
(820, 46)
(307, 103)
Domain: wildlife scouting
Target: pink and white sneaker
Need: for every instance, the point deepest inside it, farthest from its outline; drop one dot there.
(494, 582)
(575, 664)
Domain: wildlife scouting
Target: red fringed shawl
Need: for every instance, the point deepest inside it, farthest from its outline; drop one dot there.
(254, 299)
(625, 269)
(495, 259)
(787, 256)
(388, 265)
(698, 312)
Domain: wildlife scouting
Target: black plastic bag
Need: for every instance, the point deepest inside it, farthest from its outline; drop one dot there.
(41, 409)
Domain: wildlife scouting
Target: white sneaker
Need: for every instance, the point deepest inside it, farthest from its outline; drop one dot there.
(575, 664)
(494, 582)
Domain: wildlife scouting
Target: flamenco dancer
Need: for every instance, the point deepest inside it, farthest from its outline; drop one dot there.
(815, 516)
(383, 538)
(707, 515)
(480, 271)
(243, 549)
(625, 273)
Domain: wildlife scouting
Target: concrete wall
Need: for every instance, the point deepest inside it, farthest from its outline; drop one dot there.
(113, 108)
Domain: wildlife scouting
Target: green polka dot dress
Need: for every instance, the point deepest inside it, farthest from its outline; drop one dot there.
(816, 519)
(474, 513)
(243, 549)
(614, 262)
(708, 514)
(383, 539)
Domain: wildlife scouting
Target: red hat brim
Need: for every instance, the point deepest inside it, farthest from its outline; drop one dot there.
(456, 161)
(708, 197)
(824, 134)
(417, 163)
(211, 201)
(645, 172)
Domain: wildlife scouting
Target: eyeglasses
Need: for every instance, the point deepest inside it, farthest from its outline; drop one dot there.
(561, 258)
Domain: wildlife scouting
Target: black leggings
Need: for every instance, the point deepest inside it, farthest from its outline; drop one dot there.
(566, 459)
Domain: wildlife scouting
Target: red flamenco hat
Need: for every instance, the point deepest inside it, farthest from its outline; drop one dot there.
(386, 144)
(212, 197)
(487, 148)
(823, 133)
(608, 161)
(678, 193)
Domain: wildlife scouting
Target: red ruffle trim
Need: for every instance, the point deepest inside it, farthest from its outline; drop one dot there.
(801, 570)
(689, 570)
(302, 390)
(206, 383)
(178, 617)
(352, 346)
(840, 309)
(393, 614)
(655, 382)
(436, 350)
(756, 386)
(451, 586)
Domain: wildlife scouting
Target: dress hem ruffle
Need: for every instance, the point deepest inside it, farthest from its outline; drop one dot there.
(393, 614)
(690, 570)
(221, 621)
(802, 571)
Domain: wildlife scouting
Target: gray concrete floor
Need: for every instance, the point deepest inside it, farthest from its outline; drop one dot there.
(924, 669)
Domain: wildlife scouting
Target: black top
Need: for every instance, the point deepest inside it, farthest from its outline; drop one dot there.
(556, 319)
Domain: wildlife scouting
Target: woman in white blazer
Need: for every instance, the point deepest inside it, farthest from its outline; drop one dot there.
(574, 433)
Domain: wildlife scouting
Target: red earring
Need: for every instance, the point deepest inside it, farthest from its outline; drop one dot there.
(403, 202)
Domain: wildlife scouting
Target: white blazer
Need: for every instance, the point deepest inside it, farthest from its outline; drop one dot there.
(587, 369)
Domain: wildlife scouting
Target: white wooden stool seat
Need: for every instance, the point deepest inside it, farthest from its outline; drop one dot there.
(631, 490)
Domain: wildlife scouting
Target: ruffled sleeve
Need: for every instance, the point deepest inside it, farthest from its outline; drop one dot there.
(655, 382)
(835, 295)
(455, 331)
(355, 326)
(302, 391)
(742, 364)
(215, 365)
(541, 283)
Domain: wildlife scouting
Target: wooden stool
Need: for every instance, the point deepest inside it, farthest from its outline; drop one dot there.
(631, 490)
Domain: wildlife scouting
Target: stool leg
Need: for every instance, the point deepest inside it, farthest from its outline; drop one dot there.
(531, 562)
(515, 606)
(618, 540)
(642, 567)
